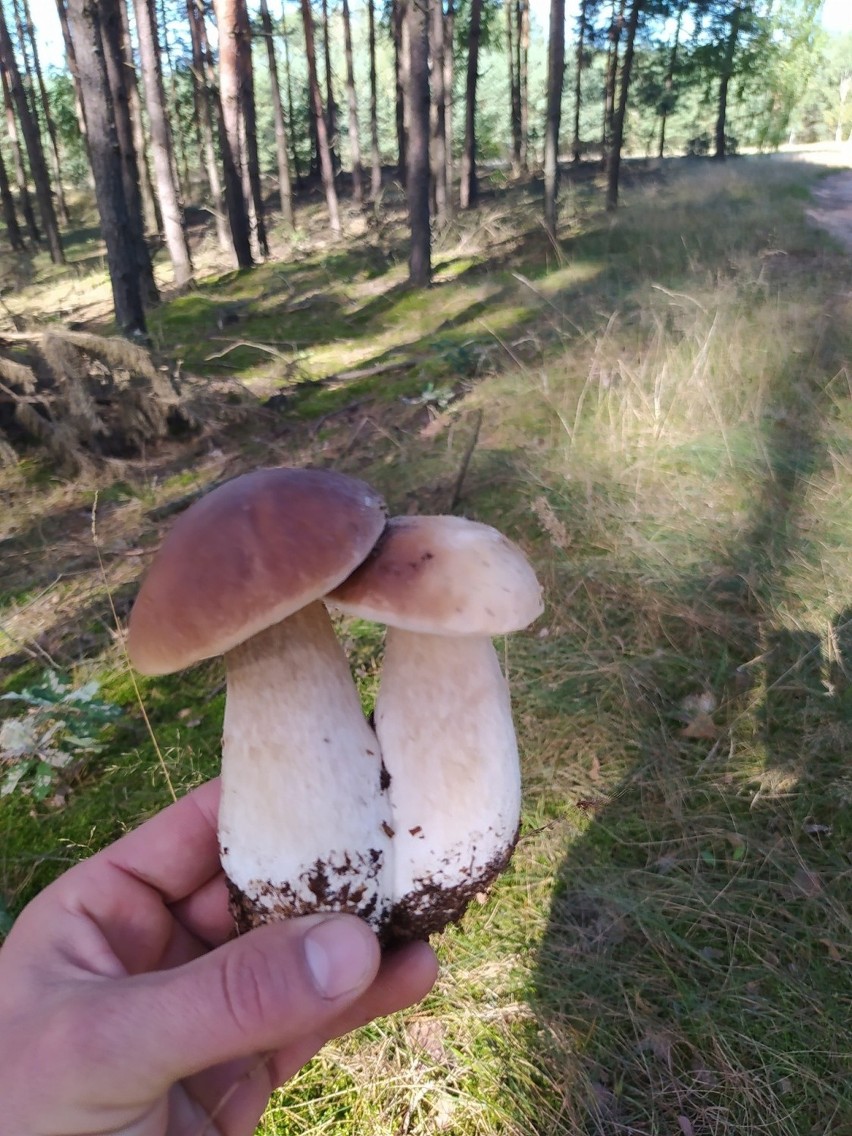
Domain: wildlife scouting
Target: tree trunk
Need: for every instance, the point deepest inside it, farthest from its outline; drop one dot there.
(614, 162)
(669, 80)
(437, 110)
(71, 59)
(117, 67)
(469, 188)
(724, 82)
(150, 206)
(522, 50)
(206, 103)
(576, 145)
(330, 102)
(417, 174)
(22, 55)
(614, 38)
(511, 12)
(326, 168)
(375, 155)
(400, 72)
(449, 102)
(290, 115)
(178, 128)
(248, 131)
(13, 229)
(107, 167)
(354, 140)
(555, 77)
(48, 119)
(18, 162)
(32, 141)
(285, 190)
(161, 143)
(231, 137)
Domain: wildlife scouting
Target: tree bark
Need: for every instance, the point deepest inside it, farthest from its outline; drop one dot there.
(522, 50)
(469, 187)
(285, 189)
(13, 229)
(231, 19)
(449, 102)
(162, 149)
(290, 115)
(21, 182)
(582, 24)
(178, 128)
(614, 38)
(669, 79)
(614, 160)
(330, 102)
(512, 57)
(32, 141)
(555, 78)
(107, 167)
(375, 155)
(150, 206)
(248, 126)
(400, 71)
(206, 104)
(117, 67)
(48, 118)
(724, 82)
(417, 174)
(326, 168)
(71, 59)
(437, 111)
(352, 99)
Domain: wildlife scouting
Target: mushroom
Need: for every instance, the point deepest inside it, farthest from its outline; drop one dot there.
(304, 820)
(444, 586)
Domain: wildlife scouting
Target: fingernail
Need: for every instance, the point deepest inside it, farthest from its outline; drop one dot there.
(341, 956)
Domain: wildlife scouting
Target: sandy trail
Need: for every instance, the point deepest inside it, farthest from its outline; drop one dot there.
(832, 209)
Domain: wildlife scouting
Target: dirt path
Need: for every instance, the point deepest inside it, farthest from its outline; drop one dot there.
(832, 209)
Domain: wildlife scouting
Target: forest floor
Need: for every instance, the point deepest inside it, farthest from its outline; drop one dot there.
(658, 408)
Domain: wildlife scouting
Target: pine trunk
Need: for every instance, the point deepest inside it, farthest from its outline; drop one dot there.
(107, 167)
(375, 155)
(21, 182)
(248, 125)
(32, 141)
(71, 60)
(437, 111)
(177, 128)
(162, 150)
(614, 162)
(291, 118)
(285, 190)
(400, 71)
(669, 80)
(326, 168)
(522, 47)
(469, 188)
(615, 28)
(352, 100)
(576, 145)
(555, 79)
(231, 135)
(417, 174)
(13, 229)
(48, 119)
(330, 102)
(150, 206)
(724, 82)
(511, 12)
(117, 67)
(449, 101)
(209, 111)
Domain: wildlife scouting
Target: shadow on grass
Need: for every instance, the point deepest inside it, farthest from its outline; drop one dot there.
(693, 940)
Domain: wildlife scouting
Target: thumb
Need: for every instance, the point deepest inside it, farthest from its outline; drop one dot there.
(260, 992)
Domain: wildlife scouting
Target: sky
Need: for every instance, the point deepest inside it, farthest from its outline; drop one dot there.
(836, 17)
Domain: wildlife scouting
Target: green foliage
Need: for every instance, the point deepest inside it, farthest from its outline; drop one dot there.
(63, 723)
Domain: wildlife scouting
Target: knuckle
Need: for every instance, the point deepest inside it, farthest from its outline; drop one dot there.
(252, 988)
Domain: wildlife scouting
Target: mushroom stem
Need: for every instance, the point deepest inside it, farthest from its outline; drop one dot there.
(304, 822)
(443, 718)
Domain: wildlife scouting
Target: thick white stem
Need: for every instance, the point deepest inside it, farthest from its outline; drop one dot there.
(444, 723)
(304, 822)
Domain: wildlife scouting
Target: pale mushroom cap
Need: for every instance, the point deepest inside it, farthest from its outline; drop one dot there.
(246, 556)
(443, 576)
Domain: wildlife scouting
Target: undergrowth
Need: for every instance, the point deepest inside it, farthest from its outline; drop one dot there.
(665, 401)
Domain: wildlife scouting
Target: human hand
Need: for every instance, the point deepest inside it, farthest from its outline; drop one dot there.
(126, 1007)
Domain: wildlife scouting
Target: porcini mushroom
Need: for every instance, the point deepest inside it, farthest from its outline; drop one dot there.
(305, 819)
(445, 586)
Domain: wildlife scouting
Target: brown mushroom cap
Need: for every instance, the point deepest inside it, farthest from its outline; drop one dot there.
(246, 556)
(443, 576)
